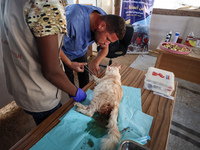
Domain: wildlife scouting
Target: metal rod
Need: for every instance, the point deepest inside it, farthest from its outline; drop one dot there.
(88, 70)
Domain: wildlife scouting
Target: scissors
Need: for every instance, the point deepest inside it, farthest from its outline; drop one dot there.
(88, 70)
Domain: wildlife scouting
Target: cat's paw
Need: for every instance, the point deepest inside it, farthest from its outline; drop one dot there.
(80, 106)
(79, 109)
(76, 104)
(83, 111)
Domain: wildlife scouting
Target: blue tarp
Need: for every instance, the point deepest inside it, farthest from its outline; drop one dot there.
(77, 131)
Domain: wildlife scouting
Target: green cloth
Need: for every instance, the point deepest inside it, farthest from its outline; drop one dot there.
(80, 132)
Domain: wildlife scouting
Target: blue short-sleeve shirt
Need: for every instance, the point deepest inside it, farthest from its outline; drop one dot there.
(79, 37)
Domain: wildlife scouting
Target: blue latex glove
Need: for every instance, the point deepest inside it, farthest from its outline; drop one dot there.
(80, 95)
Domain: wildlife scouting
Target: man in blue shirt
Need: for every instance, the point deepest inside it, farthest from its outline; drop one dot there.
(85, 25)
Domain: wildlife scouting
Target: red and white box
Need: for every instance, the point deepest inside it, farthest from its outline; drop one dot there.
(159, 81)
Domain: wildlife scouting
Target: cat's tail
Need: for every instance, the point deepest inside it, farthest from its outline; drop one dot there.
(113, 138)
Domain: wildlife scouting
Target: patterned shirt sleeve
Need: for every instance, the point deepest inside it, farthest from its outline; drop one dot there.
(46, 17)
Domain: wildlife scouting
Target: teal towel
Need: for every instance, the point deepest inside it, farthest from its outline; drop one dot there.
(80, 132)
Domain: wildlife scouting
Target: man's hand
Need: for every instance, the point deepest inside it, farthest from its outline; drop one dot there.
(94, 67)
(101, 55)
(78, 67)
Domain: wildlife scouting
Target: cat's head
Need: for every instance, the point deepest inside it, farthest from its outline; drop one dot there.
(113, 70)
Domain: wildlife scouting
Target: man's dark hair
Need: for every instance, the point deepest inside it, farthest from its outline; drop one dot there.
(115, 24)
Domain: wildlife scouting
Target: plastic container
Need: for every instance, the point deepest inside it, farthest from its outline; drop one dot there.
(131, 145)
(170, 34)
(198, 43)
(192, 42)
(162, 46)
(176, 37)
(159, 80)
(180, 39)
(190, 36)
(167, 38)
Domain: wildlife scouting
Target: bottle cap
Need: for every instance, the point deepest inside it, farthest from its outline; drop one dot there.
(177, 34)
(191, 34)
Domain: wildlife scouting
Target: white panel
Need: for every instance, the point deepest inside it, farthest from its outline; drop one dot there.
(93, 2)
(175, 4)
(106, 5)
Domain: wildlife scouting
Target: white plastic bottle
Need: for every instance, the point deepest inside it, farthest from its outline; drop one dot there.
(170, 34)
(167, 38)
(176, 37)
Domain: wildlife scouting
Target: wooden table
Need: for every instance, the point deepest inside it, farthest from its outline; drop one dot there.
(186, 67)
(159, 107)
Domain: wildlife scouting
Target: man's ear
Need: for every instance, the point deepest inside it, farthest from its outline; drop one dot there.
(102, 26)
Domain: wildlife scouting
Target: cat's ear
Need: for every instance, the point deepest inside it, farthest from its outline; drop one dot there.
(109, 68)
(119, 67)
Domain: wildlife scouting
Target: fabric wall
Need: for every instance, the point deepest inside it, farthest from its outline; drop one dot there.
(160, 25)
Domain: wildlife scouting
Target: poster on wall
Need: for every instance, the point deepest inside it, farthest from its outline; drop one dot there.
(138, 14)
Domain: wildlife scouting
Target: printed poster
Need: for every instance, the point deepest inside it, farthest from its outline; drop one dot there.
(138, 14)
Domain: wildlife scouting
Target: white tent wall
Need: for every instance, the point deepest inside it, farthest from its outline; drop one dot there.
(160, 25)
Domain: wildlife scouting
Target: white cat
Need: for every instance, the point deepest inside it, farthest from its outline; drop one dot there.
(106, 98)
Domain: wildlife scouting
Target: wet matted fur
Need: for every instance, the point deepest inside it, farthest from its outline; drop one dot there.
(106, 98)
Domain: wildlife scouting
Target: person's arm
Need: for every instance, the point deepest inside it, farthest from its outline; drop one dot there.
(101, 55)
(78, 67)
(51, 69)
(65, 59)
